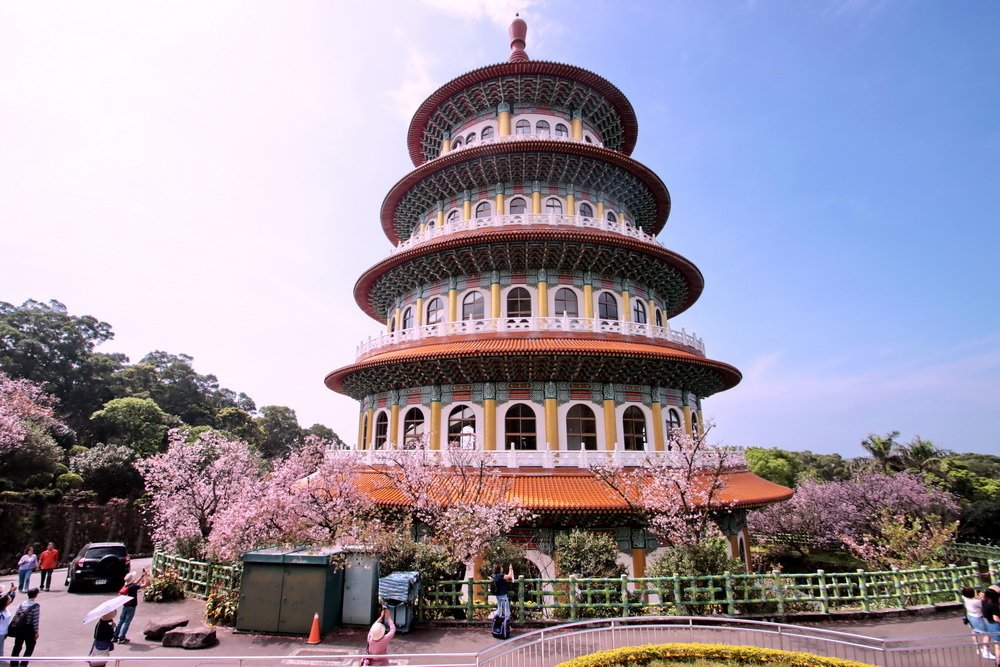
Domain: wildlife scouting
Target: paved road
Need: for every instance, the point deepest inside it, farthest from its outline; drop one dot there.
(63, 634)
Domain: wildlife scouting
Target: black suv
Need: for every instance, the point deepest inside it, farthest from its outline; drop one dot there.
(99, 564)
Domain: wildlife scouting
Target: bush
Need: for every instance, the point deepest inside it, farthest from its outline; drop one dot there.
(587, 555)
(165, 587)
(59, 469)
(634, 656)
(77, 449)
(709, 557)
(69, 481)
(40, 480)
(221, 606)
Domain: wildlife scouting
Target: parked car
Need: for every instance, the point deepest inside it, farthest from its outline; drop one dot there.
(99, 565)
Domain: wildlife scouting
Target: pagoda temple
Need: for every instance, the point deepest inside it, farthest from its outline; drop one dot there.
(528, 305)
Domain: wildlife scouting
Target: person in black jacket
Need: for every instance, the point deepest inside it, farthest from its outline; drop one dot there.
(103, 634)
(27, 633)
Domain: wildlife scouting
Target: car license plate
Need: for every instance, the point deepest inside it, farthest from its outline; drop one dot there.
(101, 582)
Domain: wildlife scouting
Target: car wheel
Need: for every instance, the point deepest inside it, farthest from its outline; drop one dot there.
(72, 587)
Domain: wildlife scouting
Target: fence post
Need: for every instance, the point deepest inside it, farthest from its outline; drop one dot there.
(779, 591)
(470, 601)
(625, 602)
(572, 597)
(520, 599)
(863, 588)
(955, 586)
(730, 602)
(824, 597)
(926, 577)
(898, 585)
(679, 609)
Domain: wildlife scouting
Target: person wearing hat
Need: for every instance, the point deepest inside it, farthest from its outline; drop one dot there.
(378, 639)
(104, 632)
(133, 584)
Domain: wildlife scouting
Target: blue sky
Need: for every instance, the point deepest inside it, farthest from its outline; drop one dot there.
(207, 178)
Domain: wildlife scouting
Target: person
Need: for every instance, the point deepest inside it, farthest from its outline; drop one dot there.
(25, 566)
(47, 561)
(991, 614)
(5, 615)
(131, 588)
(973, 601)
(501, 586)
(27, 634)
(104, 633)
(378, 638)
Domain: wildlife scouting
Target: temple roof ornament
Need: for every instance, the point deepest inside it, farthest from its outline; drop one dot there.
(518, 32)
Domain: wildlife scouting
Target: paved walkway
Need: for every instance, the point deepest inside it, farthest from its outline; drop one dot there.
(63, 634)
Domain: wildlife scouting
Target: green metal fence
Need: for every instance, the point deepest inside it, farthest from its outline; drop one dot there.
(200, 578)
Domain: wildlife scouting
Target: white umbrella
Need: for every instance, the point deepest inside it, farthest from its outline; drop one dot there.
(106, 607)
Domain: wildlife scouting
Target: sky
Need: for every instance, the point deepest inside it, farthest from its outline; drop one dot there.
(207, 178)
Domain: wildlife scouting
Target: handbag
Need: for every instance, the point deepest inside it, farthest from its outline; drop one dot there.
(366, 661)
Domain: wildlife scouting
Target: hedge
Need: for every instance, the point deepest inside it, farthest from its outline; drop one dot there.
(742, 655)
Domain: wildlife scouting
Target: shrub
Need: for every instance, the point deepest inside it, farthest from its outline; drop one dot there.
(634, 656)
(221, 606)
(40, 480)
(69, 481)
(583, 554)
(165, 587)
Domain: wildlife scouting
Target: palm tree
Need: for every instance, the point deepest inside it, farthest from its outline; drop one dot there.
(883, 449)
(921, 455)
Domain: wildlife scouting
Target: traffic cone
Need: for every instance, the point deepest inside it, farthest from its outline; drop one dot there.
(314, 637)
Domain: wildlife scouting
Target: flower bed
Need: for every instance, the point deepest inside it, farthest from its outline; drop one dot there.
(634, 656)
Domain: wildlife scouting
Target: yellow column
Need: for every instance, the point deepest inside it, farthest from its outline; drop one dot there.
(478, 592)
(394, 425)
(452, 305)
(651, 311)
(360, 442)
(551, 423)
(495, 300)
(371, 428)
(600, 210)
(588, 301)
(435, 424)
(536, 203)
(498, 204)
(490, 424)
(420, 311)
(701, 421)
(398, 318)
(445, 146)
(420, 229)
(388, 322)
(687, 419)
(626, 306)
(657, 426)
(638, 563)
(576, 127)
(440, 222)
(503, 123)
(570, 204)
(610, 428)
(543, 298)
(467, 209)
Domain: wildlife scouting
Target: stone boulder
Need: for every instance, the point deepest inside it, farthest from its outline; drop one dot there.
(191, 638)
(158, 627)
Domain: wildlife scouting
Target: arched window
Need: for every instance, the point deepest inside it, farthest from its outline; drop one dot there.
(607, 306)
(519, 302)
(364, 431)
(381, 430)
(561, 130)
(456, 143)
(587, 138)
(581, 428)
(435, 311)
(695, 426)
(488, 132)
(407, 319)
(452, 217)
(611, 217)
(519, 427)
(471, 137)
(553, 205)
(566, 303)
(673, 419)
(517, 206)
(473, 306)
(638, 311)
(413, 427)
(659, 317)
(483, 209)
(542, 128)
(586, 210)
(634, 429)
(432, 221)
(522, 127)
(462, 428)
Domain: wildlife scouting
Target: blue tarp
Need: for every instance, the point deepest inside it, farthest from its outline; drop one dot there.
(399, 587)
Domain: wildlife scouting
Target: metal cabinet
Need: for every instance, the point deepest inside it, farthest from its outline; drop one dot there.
(361, 605)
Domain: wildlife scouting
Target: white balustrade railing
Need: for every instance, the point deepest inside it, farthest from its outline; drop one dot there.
(530, 136)
(564, 324)
(544, 457)
(525, 220)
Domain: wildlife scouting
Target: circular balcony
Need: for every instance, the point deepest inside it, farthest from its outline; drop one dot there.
(525, 220)
(564, 324)
(523, 136)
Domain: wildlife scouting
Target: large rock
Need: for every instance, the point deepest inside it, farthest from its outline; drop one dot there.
(191, 638)
(158, 627)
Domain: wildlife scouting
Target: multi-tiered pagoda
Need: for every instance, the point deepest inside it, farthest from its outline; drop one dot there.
(528, 303)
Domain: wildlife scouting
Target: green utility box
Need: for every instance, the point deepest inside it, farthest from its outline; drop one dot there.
(281, 589)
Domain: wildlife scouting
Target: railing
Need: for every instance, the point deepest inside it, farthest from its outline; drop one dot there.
(727, 594)
(200, 578)
(547, 458)
(525, 220)
(530, 136)
(564, 324)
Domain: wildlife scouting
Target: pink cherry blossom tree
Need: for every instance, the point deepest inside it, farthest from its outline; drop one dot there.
(191, 483)
(23, 405)
(677, 493)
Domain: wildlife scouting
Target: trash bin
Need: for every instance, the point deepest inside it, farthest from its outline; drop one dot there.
(399, 592)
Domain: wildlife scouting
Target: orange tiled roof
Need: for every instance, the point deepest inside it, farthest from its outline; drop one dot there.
(577, 490)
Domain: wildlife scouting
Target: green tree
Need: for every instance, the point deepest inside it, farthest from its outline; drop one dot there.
(138, 423)
(43, 343)
(240, 424)
(921, 456)
(774, 464)
(823, 467)
(281, 430)
(883, 449)
(108, 470)
(586, 554)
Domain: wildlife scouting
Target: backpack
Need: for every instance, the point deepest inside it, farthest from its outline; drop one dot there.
(19, 623)
(501, 627)
(493, 585)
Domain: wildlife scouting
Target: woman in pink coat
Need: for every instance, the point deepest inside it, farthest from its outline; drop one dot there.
(378, 639)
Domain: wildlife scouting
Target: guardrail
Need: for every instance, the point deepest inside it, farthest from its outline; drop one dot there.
(200, 578)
